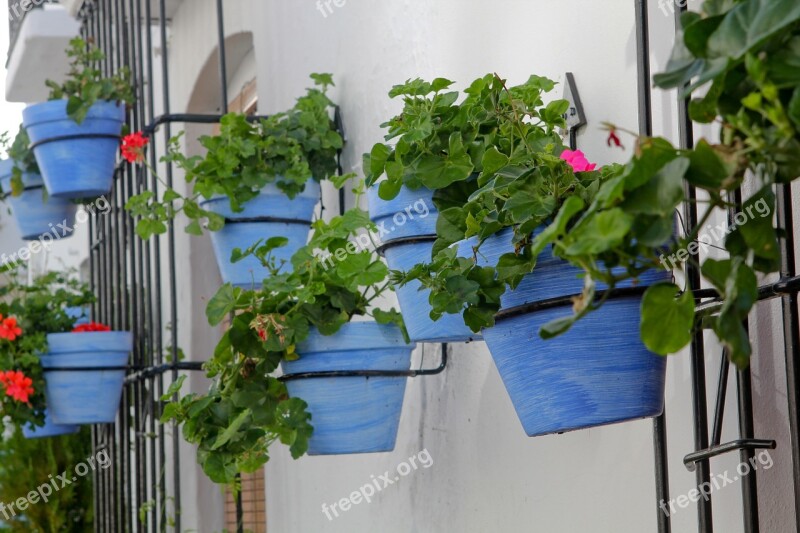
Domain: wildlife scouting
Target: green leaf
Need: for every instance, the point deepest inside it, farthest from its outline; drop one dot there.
(232, 430)
(749, 24)
(222, 304)
(173, 389)
(602, 232)
(663, 193)
(493, 160)
(667, 318)
(707, 168)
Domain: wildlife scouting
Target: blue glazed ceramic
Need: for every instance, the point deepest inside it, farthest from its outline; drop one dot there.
(242, 230)
(50, 429)
(597, 373)
(34, 215)
(76, 160)
(91, 396)
(352, 414)
(412, 214)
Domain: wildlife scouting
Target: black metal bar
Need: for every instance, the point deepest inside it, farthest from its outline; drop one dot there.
(691, 460)
(791, 336)
(276, 220)
(660, 455)
(188, 118)
(705, 518)
(722, 388)
(404, 240)
(371, 373)
(223, 69)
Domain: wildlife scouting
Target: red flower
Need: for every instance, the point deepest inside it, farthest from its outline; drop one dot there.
(613, 139)
(9, 329)
(17, 385)
(133, 147)
(90, 327)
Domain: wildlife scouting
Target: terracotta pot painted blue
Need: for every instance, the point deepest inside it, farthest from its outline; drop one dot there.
(242, 230)
(352, 414)
(50, 429)
(36, 216)
(76, 160)
(413, 214)
(90, 396)
(597, 373)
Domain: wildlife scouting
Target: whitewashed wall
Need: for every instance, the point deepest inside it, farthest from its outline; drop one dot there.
(486, 474)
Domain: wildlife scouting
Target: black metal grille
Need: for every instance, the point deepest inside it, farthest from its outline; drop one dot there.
(135, 294)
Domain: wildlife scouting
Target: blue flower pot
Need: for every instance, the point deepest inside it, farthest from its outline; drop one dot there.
(597, 373)
(35, 215)
(271, 214)
(90, 396)
(82, 315)
(352, 414)
(50, 429)
(407, 229)
(76, 160)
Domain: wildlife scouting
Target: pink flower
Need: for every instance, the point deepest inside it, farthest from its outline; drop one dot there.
(577, 160)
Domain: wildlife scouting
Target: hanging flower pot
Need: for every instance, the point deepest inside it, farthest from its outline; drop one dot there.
(76, 160)
(597, 373)
(91, 396)
(352, 414)
(407, 229)
(35, 214)
(271, 214)
(50, 429)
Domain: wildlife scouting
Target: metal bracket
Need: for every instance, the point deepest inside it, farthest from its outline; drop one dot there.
(575, 115)
(372, 373)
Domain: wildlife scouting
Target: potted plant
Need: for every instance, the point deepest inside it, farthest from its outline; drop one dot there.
(47, 307)
(91, 396)
(441, 147)
(74, 136)
(501, 266)
(257, 180)
(307, 318)
(35, 213)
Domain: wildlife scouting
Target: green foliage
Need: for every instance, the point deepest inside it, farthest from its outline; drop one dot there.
(442, 144)
(287, 149)
(85, 84)
(24, 161)
(617, 223)
(247, 408)
(26, 464)
(39, 309)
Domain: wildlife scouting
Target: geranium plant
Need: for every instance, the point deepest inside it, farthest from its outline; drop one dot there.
(85, 83)
(287, 149)
(441, 143)
(247, 407)
(626, 224)
(27, 314)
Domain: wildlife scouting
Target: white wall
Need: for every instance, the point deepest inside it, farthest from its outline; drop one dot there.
(486, 474)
